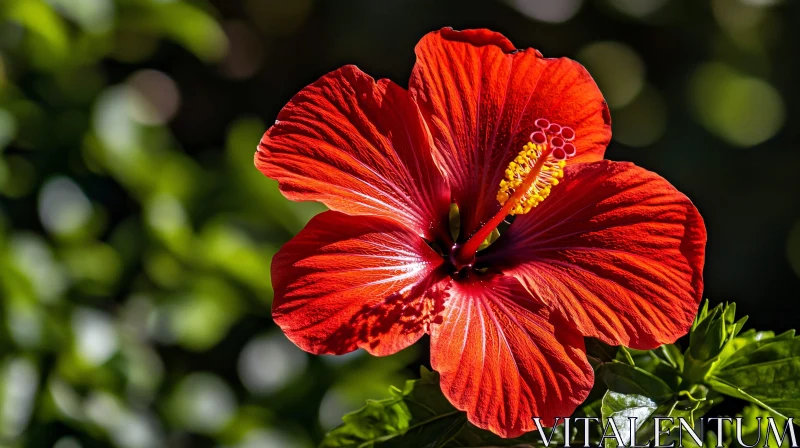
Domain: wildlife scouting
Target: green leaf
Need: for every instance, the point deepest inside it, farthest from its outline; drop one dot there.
(628, 379)
(620, 407)
(692, 409)
(751, 429)
(647, 384)
(473, 437)
(752, 432)
(713, 330)
(418, 415)
(662, 362)
(765, 372)
(690, 412)
(746, 338)
(671, 355)
(624, 354)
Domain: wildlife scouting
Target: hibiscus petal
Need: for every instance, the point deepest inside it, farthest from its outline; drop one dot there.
(617, 249)
(505, 359)
(346, 282)
(360, 147)
(480, 98)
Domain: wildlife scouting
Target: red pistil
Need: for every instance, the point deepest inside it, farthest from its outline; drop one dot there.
(464, 255)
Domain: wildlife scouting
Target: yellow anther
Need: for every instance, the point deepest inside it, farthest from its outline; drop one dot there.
(518, 171)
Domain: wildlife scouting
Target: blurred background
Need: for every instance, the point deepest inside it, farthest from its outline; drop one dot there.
(136, 235)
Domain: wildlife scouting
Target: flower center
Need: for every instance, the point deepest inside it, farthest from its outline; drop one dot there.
(528, 179)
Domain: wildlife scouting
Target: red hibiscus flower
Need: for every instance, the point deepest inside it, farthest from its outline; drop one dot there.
(595, 248)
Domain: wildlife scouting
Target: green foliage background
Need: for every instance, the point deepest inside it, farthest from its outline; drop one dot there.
(136, 235)
(632, 389)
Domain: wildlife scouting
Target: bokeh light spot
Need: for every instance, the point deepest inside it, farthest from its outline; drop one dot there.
(127, 428)
(24, 322)
(269, 362)
(338, 360)
(20, 382)
(67, 442)
(95, 335)
(331, 409)
(738, 15)
(270, 438)
(158, 97)
(112, 119)
(35, 259)
(95, 16)
(103, 409)
(63, 207)
(617, 69)
(199, 319)
(760, 2)
(638, 8)
(552, 11)
(203, 403)
(742, 110)
(165, 214)
(65, 399)
(8, 124)
(136, 431)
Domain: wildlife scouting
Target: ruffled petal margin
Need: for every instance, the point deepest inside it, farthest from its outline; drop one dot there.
(505, 359)
(346, 282)
(616, 249)
(480, 98)
(360, 147)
